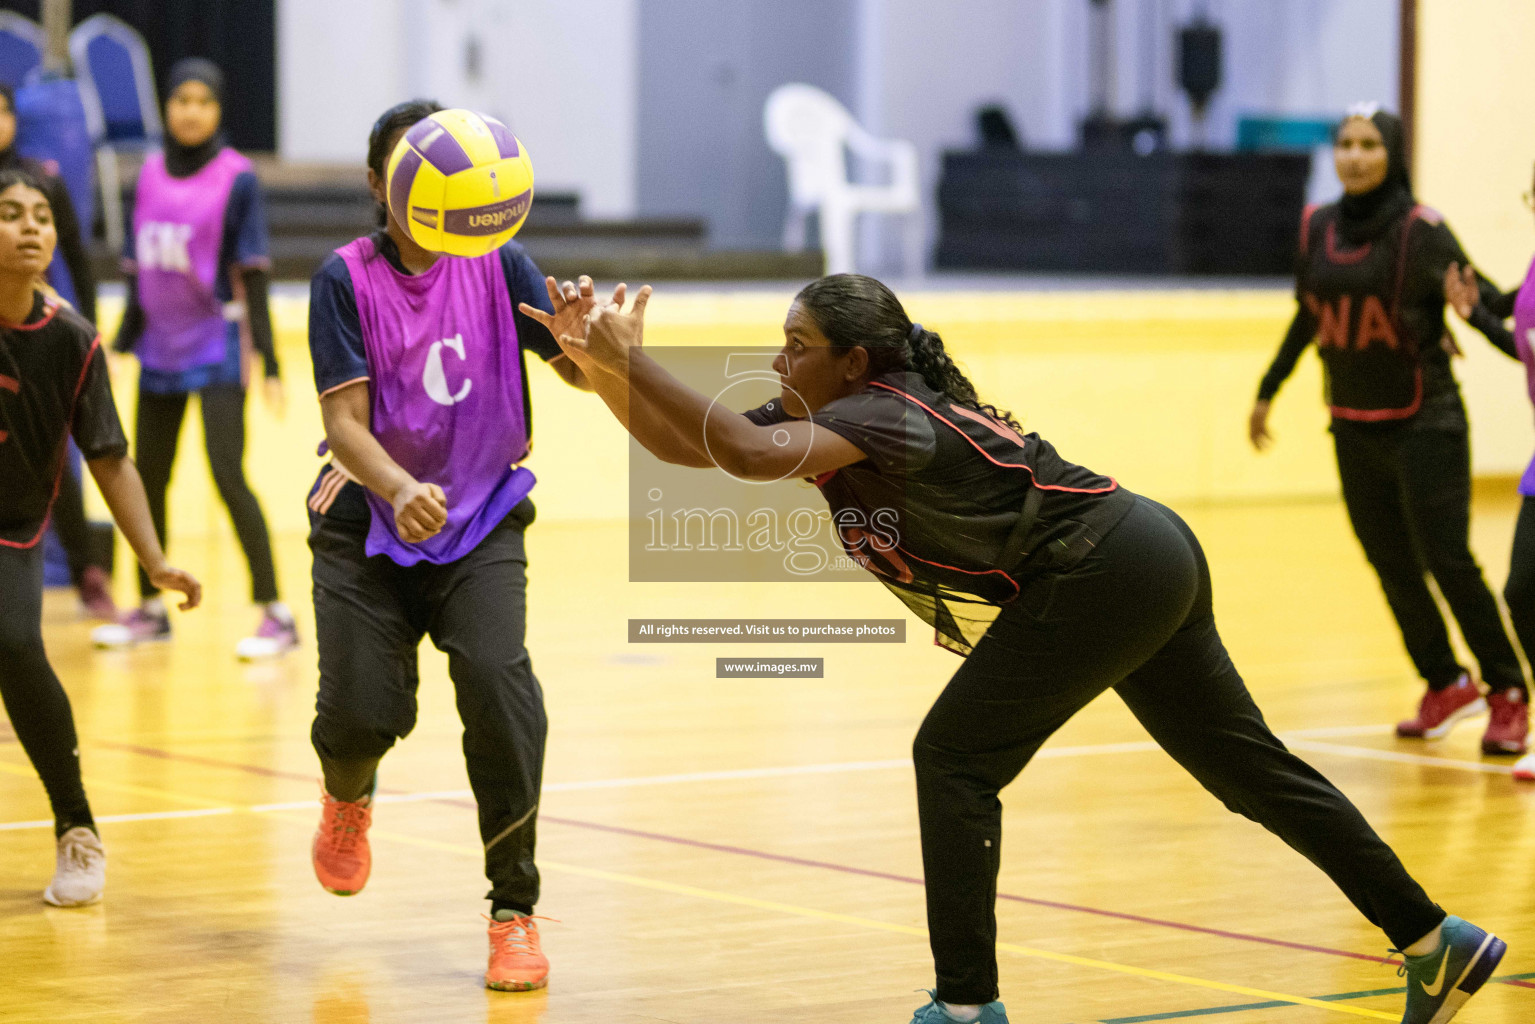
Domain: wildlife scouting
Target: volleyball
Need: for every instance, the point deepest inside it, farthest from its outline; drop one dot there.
(460, 183)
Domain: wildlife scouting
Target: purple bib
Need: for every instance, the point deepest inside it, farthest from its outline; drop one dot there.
(447, 393)
(1524, 338)
(178, 230)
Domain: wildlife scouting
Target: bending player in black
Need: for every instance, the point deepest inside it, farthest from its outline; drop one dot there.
(1369, 279)
(53, 386)
(1093, 587)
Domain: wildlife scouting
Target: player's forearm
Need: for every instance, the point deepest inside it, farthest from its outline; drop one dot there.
(711, 434)
(647, 424)
(118, 479)
(355, 447)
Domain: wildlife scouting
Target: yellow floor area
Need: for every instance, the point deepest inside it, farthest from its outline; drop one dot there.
(740, 851)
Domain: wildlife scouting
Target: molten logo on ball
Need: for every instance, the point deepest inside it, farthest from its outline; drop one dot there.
(489, 220)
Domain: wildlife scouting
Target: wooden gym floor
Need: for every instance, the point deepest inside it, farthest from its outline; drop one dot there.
(744, 851)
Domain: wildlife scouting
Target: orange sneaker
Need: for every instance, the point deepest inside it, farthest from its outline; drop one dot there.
(517, 961)
(341, 855)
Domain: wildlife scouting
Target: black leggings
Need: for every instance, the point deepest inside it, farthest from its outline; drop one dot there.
(1135, 615)
(1519, 592)
(1408, 493)
(156, 434)
(370, 618)
(35, 701)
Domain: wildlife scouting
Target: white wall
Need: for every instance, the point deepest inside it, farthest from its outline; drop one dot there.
(564, 81)
(924, 68)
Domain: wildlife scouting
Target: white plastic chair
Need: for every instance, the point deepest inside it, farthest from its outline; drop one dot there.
(117, 89)
(814, 133)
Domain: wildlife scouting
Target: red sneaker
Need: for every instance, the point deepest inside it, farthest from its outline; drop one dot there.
(1524, 771)
(342, 858)
(517, 961)
(1510, 722)
(1441, 709)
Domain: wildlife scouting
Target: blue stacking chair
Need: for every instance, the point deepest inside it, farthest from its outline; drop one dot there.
(117, 88)
(22, 45)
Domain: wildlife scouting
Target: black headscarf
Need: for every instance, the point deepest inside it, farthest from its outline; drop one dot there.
(184, 161)
(1367, 216)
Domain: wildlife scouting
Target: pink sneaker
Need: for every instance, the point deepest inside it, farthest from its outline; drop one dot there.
(273, 639)
(1439, 710)
(1509, 724)
(142, 625)
(95, 590)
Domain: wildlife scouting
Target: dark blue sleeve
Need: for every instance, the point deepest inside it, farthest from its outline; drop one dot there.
(525, 283)
(335, 330)
(245, 233)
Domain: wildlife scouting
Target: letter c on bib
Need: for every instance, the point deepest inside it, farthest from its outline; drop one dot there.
(435, 380)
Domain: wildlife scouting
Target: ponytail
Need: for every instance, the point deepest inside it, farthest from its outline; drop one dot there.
(853, 310)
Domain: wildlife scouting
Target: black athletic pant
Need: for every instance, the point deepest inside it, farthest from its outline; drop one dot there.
(370, 617)
(34, 700)
(1408, 493)
(155, 437)
(1519, 592)
(1134, 615)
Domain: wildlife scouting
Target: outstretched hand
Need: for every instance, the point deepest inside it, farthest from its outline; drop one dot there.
(1461, 289)
(572, 302)
(610, 334)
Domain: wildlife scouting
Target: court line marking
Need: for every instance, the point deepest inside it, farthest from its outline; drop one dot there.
(1211, 1010)
(813, 913)
(95, 782)
(456, 796)
(1397, 757)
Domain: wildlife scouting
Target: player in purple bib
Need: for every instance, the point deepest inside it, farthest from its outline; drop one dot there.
(197, 266)
(417, 530)
(1488, 313)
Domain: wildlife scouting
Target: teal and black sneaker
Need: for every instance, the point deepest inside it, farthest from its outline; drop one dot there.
(1439, 983)
(992, 1013)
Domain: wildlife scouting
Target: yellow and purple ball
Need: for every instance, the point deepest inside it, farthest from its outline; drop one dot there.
(460, 183)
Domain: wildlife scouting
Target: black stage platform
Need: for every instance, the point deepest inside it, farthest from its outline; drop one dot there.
(1116, 213)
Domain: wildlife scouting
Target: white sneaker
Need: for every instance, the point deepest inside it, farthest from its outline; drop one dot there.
(1524, 769)
(273, 639)
(81, 870)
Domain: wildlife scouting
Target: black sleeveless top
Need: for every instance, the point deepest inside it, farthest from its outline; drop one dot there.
(953, 509)
(1376, 313)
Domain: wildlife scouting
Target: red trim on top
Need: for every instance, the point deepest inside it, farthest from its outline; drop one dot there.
(1335, 255)
(991, 425)
(49, 310)
(1377, 415)
(58, 477)
(1113, 485)
(819, 480)
(1305, 227)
